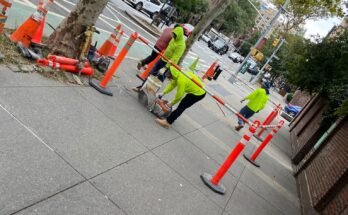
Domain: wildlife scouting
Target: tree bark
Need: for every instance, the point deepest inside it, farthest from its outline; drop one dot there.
(205, 21)
(64, 40)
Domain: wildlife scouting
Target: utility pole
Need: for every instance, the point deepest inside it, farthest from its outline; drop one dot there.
(264, 33)
(257, 77)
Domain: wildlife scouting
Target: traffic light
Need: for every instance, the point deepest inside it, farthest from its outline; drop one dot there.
(256, 54)
(275, 42)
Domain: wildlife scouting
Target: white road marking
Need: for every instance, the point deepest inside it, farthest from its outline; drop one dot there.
(26, 128)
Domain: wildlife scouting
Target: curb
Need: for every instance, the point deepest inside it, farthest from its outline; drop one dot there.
(141, 23)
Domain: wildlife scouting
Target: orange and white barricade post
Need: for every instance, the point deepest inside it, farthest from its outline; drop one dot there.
(102, 85)
(3, 16)
(268, 121)
(109, 47)
(213, 181)
(28, 29)
(259, 149)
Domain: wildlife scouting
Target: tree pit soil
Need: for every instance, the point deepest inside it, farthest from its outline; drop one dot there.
(17, 63)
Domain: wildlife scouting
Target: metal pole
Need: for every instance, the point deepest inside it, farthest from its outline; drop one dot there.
(264, 33)
(257, 77)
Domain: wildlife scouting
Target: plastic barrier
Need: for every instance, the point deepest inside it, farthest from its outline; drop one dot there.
(213, 182)
(263, 144)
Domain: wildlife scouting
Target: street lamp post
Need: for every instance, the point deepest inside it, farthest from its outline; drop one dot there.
(264, 33)
(256, 78)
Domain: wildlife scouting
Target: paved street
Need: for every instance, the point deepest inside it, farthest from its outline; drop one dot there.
(67, 149)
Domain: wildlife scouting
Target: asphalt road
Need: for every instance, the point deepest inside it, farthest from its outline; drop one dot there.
(114, 13)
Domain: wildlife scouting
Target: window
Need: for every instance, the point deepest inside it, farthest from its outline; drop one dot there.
(156, 2)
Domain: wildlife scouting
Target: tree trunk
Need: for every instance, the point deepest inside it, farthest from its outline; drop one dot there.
(205, 21)
(63, 40)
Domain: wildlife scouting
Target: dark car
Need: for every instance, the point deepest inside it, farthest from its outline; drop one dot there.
(253, 70)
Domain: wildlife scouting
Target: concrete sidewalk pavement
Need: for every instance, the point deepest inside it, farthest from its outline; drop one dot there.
(68, 149)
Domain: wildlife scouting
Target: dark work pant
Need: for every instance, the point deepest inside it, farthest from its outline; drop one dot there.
(185, 103)
(155, 70)
(150, 58)
(246, 112)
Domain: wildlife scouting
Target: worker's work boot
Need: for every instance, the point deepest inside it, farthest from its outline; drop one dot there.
(163, 122)
(136, 89)
(238, 127)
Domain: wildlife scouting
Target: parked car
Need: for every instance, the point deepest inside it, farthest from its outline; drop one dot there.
(152, 7)
(235, 57)
(188, 29)
(253, 70)
(205, 38)
(219, 46)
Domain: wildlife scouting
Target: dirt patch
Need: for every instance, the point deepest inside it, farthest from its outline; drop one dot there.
(13, 59)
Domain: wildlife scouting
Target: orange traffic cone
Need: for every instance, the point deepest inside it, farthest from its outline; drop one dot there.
(110, 45)
(143, 76)
(27, 30)
(210, 72)
(37, 38)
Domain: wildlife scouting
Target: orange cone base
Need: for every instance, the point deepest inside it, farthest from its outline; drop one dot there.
(96, 85)
(251, 161)
(25, 32)
(206, 178)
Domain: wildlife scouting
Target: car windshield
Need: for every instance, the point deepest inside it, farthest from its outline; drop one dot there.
(219, 43)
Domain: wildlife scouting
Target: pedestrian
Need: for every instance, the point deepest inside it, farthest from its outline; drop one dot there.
(257, 101)
(217, 72)
(161, 44)
(188, 93)
(174, 51)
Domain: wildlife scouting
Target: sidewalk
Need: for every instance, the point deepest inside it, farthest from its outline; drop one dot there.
(68, 149)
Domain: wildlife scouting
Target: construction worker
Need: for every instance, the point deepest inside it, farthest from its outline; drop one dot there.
(184, 86)
(174, 51)
(161, 44)
(257, 101)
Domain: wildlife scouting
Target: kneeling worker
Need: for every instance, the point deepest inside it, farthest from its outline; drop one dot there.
(184, 86)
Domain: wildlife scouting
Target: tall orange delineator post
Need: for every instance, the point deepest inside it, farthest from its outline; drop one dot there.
(210, 72)
(27, 30)
(143, 76)
(259, 149)
(268, 121)
(213, 182)
(3, 17)
(110, 45)
(102, 85)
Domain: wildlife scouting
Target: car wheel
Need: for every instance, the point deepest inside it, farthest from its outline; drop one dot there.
(138, 6)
